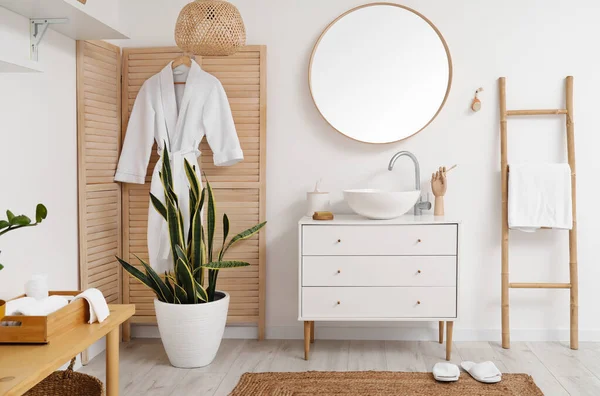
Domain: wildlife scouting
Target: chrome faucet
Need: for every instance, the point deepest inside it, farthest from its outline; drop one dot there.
(420, 205)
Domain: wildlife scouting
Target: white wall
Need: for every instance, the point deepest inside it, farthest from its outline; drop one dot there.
(38, 159)
(535, 44)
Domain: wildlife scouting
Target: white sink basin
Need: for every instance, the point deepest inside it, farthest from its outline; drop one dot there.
(379, 204)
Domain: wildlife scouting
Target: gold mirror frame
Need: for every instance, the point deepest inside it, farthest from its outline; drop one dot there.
(437, 31)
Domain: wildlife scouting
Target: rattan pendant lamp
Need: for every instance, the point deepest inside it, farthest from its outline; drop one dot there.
(210, 28)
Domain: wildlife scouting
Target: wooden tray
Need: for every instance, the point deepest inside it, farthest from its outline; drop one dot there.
(41, 329)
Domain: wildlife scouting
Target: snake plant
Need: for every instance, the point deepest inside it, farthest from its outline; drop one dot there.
(13, 222)
(194, 253)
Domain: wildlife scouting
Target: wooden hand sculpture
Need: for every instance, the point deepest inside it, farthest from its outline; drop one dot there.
(438, 186)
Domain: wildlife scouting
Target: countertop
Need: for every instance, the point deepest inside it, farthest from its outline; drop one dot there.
(351, 219)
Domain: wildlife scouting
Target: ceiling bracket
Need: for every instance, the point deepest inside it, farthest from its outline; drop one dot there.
(37, 30)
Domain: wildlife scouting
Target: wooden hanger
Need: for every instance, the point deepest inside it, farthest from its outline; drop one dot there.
(181, 60)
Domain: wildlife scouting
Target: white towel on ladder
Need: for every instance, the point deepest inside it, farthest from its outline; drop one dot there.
(539, 195)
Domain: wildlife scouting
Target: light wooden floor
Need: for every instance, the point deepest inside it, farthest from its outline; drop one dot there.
(145, 370)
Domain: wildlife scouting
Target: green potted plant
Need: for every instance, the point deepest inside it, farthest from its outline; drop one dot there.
(190, 311)
(13, 223)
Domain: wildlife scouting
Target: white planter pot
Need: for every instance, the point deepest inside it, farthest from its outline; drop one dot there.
(192, 333)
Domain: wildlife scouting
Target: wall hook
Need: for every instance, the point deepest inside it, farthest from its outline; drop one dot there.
(476, 103)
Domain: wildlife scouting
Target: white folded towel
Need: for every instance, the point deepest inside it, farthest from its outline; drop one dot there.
(539, 195)
(29, 306)
(98, 307)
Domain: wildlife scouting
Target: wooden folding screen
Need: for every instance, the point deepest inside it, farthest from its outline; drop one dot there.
(99, 143)
(239, 189)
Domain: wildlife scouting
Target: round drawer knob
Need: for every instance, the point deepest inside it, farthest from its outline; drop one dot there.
(339, 240)
(418, 271)
(339, 302)
(339, 271)
(419, 240)
(418, 302)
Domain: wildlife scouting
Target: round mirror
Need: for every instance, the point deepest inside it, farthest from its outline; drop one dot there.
(380, 73)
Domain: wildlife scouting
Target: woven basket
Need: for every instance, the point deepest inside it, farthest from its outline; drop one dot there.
(68, 382)
(210, 28)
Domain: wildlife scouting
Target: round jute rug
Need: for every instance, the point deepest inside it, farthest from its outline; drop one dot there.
(377, 383)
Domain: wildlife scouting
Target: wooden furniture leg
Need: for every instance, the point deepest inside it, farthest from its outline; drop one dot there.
(449, 326)
(126, 335)
(441, 331)
(112, 363)
(312, 332)
(306, 339)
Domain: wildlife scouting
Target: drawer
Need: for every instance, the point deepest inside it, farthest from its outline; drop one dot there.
(379, 271)
(379, 240)
(378, 302)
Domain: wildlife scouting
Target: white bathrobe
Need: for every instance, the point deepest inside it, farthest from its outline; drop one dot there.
(180, 115)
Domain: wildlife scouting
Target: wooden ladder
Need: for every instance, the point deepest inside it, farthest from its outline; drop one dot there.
(506, 284)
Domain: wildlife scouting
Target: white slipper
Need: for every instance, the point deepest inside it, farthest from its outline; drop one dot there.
(485, 372)
(446, 372)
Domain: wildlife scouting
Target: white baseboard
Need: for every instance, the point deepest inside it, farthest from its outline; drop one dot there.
(331, 332)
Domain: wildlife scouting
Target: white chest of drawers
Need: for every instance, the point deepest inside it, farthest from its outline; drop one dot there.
(355, 269)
